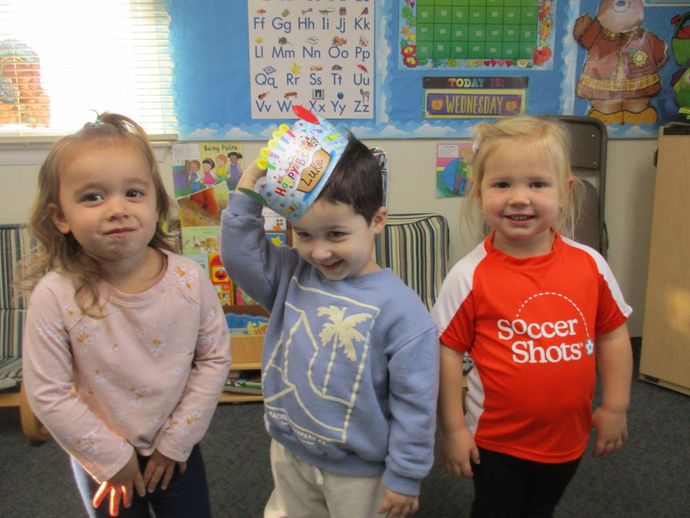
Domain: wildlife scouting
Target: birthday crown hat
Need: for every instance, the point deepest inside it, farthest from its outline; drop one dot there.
(298, 162)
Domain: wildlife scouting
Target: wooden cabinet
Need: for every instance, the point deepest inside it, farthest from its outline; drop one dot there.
(665, 356)
(246, 355)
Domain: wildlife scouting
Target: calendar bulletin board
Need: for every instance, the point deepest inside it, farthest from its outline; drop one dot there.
(397, 68)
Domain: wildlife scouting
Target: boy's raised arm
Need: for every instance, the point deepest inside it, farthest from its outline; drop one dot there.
(250, 176)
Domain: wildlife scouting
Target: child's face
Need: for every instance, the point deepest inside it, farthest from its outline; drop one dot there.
(520, 199)
(337, 241)
(108, 201)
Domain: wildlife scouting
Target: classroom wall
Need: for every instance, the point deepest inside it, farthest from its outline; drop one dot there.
(629, 196)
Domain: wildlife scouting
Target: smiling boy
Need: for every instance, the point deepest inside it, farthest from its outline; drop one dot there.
(350, 359)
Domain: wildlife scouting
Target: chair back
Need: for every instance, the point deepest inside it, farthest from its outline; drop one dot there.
(416, 247)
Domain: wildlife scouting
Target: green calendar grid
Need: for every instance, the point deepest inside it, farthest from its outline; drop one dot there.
(476, 29)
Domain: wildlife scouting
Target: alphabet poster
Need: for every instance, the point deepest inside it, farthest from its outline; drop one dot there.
(315, 54)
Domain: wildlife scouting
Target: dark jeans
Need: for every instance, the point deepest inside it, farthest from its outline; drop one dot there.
(187, 494)
(508, 487)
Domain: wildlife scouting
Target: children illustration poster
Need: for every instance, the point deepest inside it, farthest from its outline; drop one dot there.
(452, 169)
(545, 45)
(317, 54)
(204, 173)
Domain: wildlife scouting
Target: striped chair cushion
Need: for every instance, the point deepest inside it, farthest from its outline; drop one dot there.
(415, 247)
(10, 372)
(15, 241)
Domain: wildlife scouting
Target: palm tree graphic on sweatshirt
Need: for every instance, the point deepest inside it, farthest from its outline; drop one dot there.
(313, 375)
(340, 332)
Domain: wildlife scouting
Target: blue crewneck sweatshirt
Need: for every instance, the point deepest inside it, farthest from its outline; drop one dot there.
(350, 368)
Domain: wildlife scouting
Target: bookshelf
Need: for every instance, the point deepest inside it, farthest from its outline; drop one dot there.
(246, 355)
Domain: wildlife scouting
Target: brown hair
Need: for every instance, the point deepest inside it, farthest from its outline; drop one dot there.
(62, 252)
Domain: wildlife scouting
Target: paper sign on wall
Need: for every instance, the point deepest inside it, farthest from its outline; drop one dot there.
(316, 53)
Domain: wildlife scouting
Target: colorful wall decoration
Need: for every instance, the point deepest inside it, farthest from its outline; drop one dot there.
(425, 68)
(452, 169)
(23, 100)
(477, 34)
(204, 173)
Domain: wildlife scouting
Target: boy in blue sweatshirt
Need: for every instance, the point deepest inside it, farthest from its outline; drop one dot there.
(350, 359)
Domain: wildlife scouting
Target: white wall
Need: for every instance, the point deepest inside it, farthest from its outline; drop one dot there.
(629, 195)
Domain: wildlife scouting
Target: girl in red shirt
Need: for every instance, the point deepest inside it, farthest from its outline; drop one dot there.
(540, 315)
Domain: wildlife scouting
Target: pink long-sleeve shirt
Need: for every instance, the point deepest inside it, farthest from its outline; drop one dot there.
(147, 376)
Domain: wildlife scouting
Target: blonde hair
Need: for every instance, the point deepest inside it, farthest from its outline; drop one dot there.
(542, 135)
(62, 252)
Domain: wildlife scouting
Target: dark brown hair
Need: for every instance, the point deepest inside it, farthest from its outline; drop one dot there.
(356, 180)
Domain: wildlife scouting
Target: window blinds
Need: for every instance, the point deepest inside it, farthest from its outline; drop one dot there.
(63, 61)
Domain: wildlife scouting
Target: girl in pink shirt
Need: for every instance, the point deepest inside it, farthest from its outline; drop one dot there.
(125, 349)
(539, 314)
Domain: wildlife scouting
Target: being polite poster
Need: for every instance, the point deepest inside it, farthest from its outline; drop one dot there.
(316, 54)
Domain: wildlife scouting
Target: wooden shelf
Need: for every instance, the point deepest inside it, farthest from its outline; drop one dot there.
(246, 355)
(666, 333)
(246, 366)
(246, 350)
(235, 397)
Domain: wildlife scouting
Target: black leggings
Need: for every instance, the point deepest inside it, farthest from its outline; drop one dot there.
(506, 486)
(187, 495)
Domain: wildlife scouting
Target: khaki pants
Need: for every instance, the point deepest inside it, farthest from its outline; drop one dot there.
(305, 491)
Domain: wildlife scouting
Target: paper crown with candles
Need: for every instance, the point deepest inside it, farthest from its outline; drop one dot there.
(298, 162)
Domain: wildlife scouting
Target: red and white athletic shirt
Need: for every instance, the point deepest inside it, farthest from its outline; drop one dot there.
(530, 325)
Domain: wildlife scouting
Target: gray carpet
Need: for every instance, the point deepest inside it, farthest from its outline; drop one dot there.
(649, 478)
